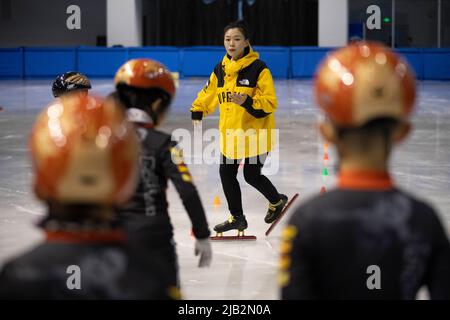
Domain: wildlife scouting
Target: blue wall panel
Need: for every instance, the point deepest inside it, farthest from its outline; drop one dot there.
(284, 62)
(200, 61)
(48, 62)
(169, 56)
(304, 60)
(415, 60)
(276, 59)
(101, 62)
(11, 63)
(436, 64)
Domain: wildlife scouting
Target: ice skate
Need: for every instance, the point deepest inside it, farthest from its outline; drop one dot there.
(280, 214)
(238, 223)
(275, 210)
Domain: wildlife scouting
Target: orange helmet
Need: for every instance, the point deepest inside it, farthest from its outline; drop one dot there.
(141, 82)
(364, 81)
(146, 74)
(84, 152)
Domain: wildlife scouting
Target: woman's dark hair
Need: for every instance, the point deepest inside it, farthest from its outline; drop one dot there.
(241, 25)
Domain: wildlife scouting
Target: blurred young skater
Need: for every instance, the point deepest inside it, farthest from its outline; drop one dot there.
(85, 162)
(146, 89)
(366, 239)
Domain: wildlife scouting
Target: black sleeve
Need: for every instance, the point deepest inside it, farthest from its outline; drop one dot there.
(438, 273)
(257, 113)
(176, 170)
(297, 279)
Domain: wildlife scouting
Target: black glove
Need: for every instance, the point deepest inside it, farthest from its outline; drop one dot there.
(196, 115)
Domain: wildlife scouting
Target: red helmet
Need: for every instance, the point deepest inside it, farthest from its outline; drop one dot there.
(146, 74)
(84, 152)
(364, 81)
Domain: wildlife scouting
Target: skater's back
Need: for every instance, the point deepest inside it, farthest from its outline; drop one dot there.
(159, 156)
(345, 231)
(107, 268)
(146, 89)
(85, 160)
(366, 239)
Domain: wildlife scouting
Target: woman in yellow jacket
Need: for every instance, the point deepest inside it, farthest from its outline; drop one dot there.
(242, 86)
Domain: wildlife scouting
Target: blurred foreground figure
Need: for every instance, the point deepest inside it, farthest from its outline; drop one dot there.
(366, 239)
(85, 158)
(146, 89)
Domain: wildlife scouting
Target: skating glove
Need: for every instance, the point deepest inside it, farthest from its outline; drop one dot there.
(203, 247)
(197, 115)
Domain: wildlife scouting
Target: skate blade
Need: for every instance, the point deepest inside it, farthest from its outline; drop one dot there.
(233, 238)
(240, 236)
(285, 209)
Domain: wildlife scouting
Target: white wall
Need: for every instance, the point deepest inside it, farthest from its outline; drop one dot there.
(43, 23)
(333, 23)
(124, 22)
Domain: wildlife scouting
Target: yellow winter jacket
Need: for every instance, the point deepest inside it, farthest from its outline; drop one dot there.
(247, 130)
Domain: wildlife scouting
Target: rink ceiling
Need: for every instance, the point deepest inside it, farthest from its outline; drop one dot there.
(240, 270)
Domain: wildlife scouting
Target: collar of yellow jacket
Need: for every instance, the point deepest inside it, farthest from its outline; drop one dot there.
(232, 66)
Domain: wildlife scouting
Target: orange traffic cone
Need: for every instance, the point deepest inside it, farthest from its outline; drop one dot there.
(323, 190)
(217, 201)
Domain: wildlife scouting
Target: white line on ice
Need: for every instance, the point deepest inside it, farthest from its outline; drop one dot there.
(11, 190)
(23, 209)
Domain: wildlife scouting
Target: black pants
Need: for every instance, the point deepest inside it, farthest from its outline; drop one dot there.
(252, 175)
(157, 246)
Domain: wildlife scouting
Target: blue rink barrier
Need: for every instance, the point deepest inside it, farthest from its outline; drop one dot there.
(415, 60)
(304, 60)
(436, 64)
(276, 59)
(102, 62)
(48, 62)
(169, 56)
(200, 61)
(11, 63)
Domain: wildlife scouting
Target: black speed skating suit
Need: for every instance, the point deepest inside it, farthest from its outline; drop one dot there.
(332, 239)
(110, 268)
(146, 214)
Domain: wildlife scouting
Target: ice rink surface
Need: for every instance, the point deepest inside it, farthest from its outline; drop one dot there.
(240, 270)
